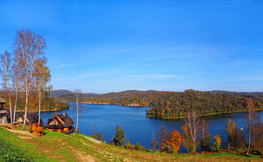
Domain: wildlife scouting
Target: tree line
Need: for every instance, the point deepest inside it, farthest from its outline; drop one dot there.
(169, 105)
(25, 76)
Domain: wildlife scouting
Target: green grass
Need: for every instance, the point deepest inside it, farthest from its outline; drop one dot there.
(60, 147)
(14, 149)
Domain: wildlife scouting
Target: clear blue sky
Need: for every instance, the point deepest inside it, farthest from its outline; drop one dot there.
(111, 46)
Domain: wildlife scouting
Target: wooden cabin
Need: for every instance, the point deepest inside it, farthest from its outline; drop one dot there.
(2, 102)
(30, 119)
(60, 123)
(3, 113)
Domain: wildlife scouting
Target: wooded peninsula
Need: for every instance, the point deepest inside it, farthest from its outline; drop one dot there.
(171, 105)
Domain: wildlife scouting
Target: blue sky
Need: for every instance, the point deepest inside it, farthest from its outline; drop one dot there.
(112, 46)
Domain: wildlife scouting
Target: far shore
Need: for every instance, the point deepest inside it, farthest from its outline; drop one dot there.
(171, 118)
(42, 110)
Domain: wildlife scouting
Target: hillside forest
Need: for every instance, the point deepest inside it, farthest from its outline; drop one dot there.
(169, 105)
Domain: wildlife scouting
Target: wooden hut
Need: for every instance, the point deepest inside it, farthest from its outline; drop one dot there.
(3, 113)
(31, 118)
(60, 123)
(2, 102)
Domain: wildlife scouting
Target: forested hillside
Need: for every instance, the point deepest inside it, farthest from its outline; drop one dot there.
(174, 104)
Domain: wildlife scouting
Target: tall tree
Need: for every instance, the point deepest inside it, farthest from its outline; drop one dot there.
(6, 77)
(16, 78)
(42, 77)
(153, 143)
(230, 130)
(162, 135)
(30, 46)
(191, 128)
(251, 119)
(204, 141)
(79, 107)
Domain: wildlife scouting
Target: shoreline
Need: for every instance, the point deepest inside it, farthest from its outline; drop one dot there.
(231, 112)
(42, 110)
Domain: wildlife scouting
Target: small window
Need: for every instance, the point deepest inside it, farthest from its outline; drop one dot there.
(54, 122)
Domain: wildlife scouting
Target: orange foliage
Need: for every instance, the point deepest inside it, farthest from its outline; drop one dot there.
(174, 141)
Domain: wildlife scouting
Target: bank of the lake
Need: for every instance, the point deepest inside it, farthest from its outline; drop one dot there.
(138, 127)
(56, 146)
(229, 112)
(19, 111)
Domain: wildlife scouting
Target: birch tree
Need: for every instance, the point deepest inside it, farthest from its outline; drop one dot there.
(79, 107)
(42, 76)
(191, 130)
(16, 78)
(6, 77)
(30, 46)
(251, 120)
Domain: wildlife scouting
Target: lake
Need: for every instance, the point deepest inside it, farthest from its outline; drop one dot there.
(137, 127)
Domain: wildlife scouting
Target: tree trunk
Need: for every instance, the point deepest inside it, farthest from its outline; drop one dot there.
(77, 114)
(10, 109)
(25, 112)
(14, 118)
(39, 106)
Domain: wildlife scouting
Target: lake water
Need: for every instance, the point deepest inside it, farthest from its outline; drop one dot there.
(137, 127)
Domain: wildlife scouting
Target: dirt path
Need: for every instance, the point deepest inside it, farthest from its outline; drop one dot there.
(96, 141)
(11, 128)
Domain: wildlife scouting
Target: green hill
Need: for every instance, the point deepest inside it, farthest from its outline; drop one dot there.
(21, 146)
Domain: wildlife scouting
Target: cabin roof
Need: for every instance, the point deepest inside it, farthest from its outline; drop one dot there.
(64, 117)
(31, 117)
(2, 100)
(3, 112)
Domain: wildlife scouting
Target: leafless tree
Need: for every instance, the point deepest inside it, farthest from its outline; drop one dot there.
(162, 135)
(79, 107)
(30, 46)
(6, 77)
(251, 119)
(191, 119)
(203, 127)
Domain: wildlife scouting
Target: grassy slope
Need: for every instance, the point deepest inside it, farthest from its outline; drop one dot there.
(60, 147)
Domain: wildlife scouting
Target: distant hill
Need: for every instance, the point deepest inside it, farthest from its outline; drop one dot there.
(57, 93)
(66, 95)
(230, 92)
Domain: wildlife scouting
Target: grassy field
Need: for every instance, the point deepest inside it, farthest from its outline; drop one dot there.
(22, 146)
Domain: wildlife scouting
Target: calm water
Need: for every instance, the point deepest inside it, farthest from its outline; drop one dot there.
(137, 127)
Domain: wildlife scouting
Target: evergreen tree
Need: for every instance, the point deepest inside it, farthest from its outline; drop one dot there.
(119, 136)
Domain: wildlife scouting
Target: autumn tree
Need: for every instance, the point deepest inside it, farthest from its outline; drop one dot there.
(42, 77)
(30, 46)
(217, 142)
(162, 135)
(230, 130)
(79, 107)
(6, 77)
(16, 78)
(258, 139)
(174, 141)
(251, 119)
(205, 140)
